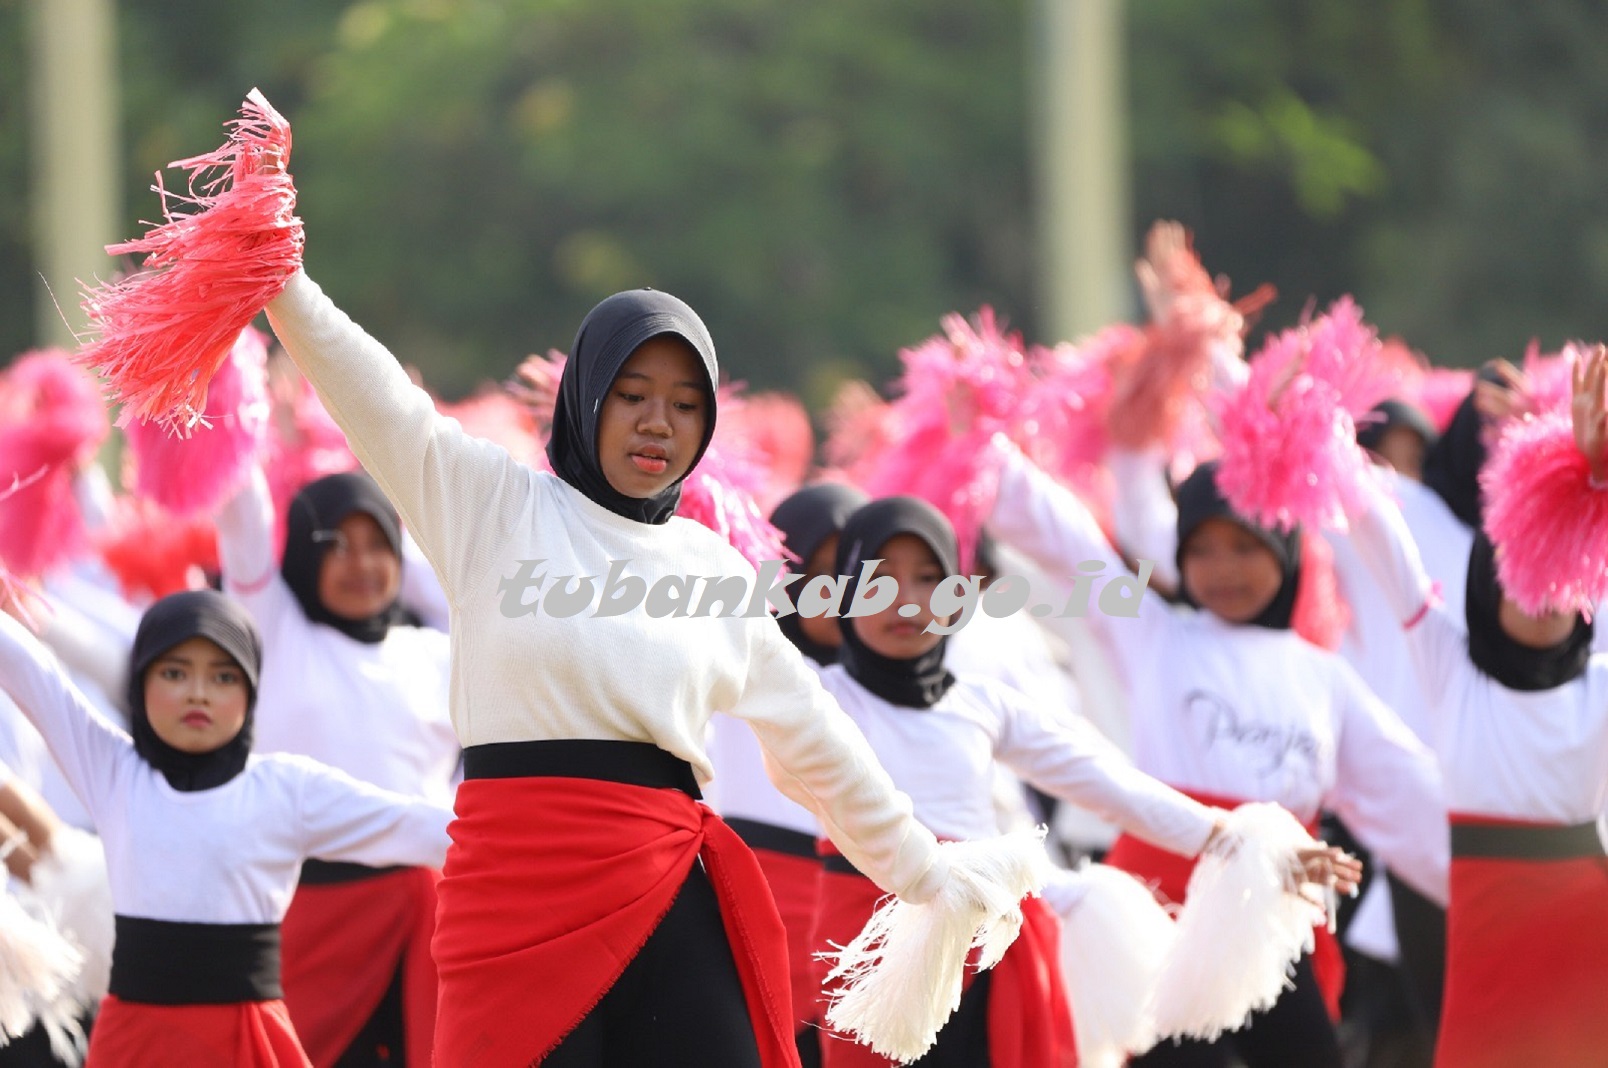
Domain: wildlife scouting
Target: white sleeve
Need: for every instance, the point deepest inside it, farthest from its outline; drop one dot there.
(1388, 788)
(1065, 756)
(345, 819)
(89, 651)
(1143, 510)
(421, 588)
(817, 757)
(90, 751)
(446, 484)
(1385, 544)
(1047, 523)
(246, 555)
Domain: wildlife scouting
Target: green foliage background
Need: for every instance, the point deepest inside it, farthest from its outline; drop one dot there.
(824, 180)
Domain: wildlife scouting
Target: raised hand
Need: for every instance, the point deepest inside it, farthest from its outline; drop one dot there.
(1588, 411)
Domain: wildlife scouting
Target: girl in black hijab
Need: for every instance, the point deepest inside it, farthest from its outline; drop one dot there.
(810, 520)
(203, 839)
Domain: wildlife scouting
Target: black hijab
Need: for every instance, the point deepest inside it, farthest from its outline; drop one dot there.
(1513, 664)
(806, 519)
(1452, 464)
(169, 622)
(1199, 500)
(914, 683)
(608, 336)
(1392, 414)
(310, 524)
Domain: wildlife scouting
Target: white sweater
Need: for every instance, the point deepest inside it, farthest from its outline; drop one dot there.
(231, 854)
(479, 515)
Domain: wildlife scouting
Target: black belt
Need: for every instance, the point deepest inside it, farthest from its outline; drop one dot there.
(164, 962)
(632, 763)
(759, 835)
(315, 872)
(839, 864)
(1526, 843)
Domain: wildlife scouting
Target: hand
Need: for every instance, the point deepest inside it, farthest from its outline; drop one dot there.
(1588, 411)
(535, 384)
(1330, 867)
(1510, 398)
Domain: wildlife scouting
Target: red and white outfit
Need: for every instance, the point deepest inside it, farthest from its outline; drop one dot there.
(207, 874)
(377, 711)
(1232, 714)
(944, 757)
(1526, 779)
(512, 982)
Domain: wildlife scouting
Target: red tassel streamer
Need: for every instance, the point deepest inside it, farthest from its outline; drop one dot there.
(165, 331)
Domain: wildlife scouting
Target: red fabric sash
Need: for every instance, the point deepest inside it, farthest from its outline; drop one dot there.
(1526, 962)
(247, 1034)
(795, 883)
(1167, 874)
(1029, 1014)
(552, 885)
(341, 944)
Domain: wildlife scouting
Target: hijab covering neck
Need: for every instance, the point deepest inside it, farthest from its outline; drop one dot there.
(1199, 499)
(806, 519)
(1452, 465)
(310, 526)
(608, 336)
(172, 621)
(919, 682)
(1495, 653)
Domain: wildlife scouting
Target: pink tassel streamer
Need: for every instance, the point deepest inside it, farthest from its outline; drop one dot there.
(305, 444)
(165, 331)
(51, 423)
(154, 552)
(1290, 453)
(1321, 614)
(1061, 420)
(1547, 521)
(189, 474)
(722, 491)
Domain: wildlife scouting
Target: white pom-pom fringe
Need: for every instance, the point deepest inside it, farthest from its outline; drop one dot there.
(37, 968)
(1115, 939)
(900, 978)
(1241, 930)
(71, 880)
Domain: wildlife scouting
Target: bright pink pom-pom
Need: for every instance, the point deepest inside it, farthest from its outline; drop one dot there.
(780, 441)
(1549, 378)
(187, 474)
(1440, 392)
(306, 443)
(51, 423)
(1061, 420)
(1548, 523)
(165, 331)
(154, 553)
(721, 492)
(958, 390)
(1321, 614)
(492, 413)
(1290, 453)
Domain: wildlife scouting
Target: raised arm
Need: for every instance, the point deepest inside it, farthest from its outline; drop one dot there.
(89, 750)
(455, 492)
(246, 554)
(1065, 756)
(348, 820)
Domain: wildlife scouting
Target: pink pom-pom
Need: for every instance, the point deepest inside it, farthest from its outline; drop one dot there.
(154, 553)
(1548, 522)
(51, 423)
(1549, 378)
(1290, 453)
(494, 414)
(721, 492)
(958, 390)
(780, 441)
(187, 474)
(165, 331)
(1321, 614)
(306, 443)
(1440, 392)
(1061, 420)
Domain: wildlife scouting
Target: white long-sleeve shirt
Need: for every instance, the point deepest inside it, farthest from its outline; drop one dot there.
(231, 854)
(944, 758)
(480, 517)
(1530, 755)
(1244, 712)
(377, 711)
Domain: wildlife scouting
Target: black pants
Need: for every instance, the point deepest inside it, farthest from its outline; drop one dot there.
(1421, 935)
(1295, 1031)
(678, 1004)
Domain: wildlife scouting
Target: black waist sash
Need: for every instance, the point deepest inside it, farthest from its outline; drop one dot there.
(165, 962)
(760, 835)
(1495, 841)
(315, 872)
(631, 763)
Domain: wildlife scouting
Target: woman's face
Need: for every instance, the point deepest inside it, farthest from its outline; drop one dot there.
(896, 634)
(361, 575)
(653, 418)
(1229, 571)
(196, 696)
(821, 629)
(1543, 631)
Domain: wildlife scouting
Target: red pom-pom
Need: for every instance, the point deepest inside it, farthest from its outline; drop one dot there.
(154, 553)
(1548, 522)
(165, 331)
(51, 423)
(187, 474)
(1290, 453)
